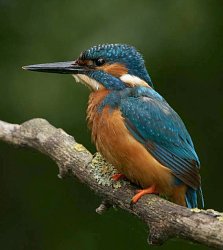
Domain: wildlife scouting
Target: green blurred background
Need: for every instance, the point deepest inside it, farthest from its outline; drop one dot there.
(182, 44)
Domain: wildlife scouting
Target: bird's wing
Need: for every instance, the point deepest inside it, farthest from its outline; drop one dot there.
(154, 123)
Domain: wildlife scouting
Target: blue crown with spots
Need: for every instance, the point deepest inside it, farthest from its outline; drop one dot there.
(120, 53)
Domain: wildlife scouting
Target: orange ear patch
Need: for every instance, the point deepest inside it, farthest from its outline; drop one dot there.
(115, 69)
(85, 62)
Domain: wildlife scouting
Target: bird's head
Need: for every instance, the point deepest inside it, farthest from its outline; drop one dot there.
(110, 66)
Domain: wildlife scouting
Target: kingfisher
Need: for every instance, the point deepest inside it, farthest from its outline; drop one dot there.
(132, 125)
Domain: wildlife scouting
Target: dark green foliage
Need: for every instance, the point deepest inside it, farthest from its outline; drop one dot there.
(181, 42)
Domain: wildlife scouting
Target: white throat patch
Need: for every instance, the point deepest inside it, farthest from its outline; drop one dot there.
(133, 81)
(94, 85)
(89, 82)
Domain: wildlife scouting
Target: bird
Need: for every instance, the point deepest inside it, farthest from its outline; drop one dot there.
(132, 125)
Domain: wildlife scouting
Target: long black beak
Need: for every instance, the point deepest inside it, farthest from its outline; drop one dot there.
(59, 67)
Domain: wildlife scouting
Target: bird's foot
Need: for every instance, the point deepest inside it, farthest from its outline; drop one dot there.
(117, 177)
(141, 192)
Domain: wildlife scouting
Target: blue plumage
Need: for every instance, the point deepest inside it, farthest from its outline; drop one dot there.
(154, 123)
(122, 53)
(109, 81)
(117, 75)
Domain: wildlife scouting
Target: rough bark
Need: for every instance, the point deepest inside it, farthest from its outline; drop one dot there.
(164, 219)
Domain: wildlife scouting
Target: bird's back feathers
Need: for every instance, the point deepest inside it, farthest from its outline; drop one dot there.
(152, 122)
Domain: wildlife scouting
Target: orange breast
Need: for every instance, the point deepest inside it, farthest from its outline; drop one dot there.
(119, 147)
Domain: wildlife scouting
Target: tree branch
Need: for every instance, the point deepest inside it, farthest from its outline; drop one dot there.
(164, 219)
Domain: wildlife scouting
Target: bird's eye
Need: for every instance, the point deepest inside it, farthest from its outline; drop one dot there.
(99, 61)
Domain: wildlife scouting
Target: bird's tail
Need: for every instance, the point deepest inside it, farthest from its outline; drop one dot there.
(191, 197)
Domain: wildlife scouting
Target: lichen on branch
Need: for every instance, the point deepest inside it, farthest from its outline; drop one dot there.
(164, 219)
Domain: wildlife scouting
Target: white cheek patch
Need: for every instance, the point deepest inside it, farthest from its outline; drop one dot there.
(89, 82)
(133, 80)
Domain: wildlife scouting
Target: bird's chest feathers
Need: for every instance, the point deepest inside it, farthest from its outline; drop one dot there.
(114, 141)
(109, 133)
(107, 126)
(102, 120)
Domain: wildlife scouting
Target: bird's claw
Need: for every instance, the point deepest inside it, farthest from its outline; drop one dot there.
(117, 177)
(141, 192)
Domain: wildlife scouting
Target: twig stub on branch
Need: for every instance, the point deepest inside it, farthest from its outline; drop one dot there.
(165, 219)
